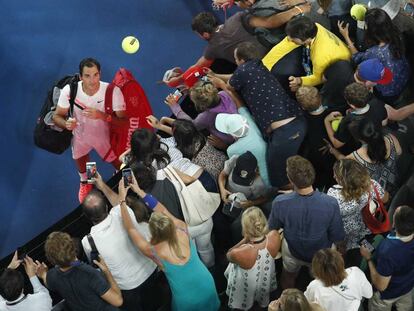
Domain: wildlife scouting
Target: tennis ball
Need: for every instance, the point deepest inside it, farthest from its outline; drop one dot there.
(335, 124)
(130, 44)
(358, 12)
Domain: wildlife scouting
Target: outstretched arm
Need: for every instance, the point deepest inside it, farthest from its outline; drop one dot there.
(139, 241)
(219, 83)
(203, 62)
(171, 102)
(279, 19)
(399, 114)
(151, 202)
(107, 191)
(155, 123)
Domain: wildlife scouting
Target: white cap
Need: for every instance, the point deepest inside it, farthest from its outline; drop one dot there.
(233, 124)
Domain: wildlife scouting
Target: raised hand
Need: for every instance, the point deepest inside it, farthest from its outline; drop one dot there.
(30, 266)
(153, 121)
(15, 262)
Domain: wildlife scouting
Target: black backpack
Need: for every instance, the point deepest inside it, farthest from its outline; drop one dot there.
(266, 37)
(46, 134)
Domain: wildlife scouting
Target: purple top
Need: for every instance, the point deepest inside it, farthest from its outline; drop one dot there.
(207, 119)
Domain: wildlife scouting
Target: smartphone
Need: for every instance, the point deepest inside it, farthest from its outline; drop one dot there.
(367, 245)
(90, 171)
(409, 8)
(127, 176)
(177, 95)
(21, 253)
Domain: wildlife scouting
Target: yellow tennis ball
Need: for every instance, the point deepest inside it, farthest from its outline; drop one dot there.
(335, 124)
(130, 45)
(358, 12)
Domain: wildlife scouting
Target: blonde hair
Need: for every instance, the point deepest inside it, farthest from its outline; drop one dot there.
(254, 223)
(162, 228)
(204, 95)
(353, 177)
(308, 97)
(294, 300)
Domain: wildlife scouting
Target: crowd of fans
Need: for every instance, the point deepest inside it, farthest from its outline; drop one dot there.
(295, 132)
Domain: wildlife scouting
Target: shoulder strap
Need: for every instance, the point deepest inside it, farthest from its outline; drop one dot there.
(92, 243)
(392, 145)
(184, 230)
(377, 195)
(108, 98)
(73, 86)
(356, 155)
(172, 175)
(346, 297)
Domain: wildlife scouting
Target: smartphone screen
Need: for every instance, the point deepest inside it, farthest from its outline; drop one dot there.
(90, 171)
(177, 95)
(409, 8)
(367, 245)
(127, 176)
(21, 253)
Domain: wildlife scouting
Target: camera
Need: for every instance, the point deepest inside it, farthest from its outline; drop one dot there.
(90, 171)
(127, 176)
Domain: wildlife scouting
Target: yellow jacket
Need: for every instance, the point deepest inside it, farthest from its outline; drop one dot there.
(325, 50)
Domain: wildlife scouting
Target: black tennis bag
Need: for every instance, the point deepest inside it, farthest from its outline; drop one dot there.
(46, 134)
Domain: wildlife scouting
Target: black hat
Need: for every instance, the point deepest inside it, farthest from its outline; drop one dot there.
(245, 170)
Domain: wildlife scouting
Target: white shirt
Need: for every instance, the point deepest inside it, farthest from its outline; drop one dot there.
(343, 297)
(177, 161)
(129, 267)
(90, 129)
(40, 299)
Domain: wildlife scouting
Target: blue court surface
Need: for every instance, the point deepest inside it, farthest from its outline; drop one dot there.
(42, 41)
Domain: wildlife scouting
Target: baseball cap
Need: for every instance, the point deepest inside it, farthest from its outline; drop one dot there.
(192, 75)
(245, 170)
(373, 70)
(233, 124)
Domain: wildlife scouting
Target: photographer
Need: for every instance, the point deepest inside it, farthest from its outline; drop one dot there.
(393, 271)
(132, 271)
(82, 287)
(240, 180)
(12, 285)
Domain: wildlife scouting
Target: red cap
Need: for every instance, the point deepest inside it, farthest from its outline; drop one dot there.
(192, 75)
(386, 77)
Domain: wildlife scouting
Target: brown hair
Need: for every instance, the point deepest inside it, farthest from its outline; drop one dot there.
(138, 207)
(162, 229)
(353, 177)
(247, 51)
(254, 223)
(300, 171)
(204, 95)
(356, 94)
(328, 266)
(293, 299)
(308, 97)
(60, 249)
